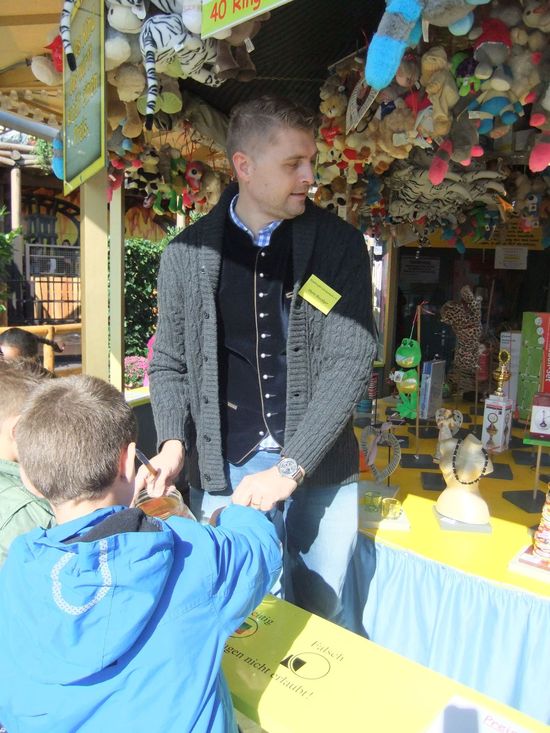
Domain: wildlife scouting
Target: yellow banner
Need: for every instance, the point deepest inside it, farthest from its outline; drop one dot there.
(220, 14)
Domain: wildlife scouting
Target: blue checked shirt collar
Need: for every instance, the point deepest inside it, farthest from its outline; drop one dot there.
(264, 235)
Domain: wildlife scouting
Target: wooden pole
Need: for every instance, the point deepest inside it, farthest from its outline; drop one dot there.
(49, 353)
(537, 473)
(116, 289)
(15, 179)
(94, 231)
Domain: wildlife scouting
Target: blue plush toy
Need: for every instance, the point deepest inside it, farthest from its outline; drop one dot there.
(495, 107)
(402, 25)
(57, 157)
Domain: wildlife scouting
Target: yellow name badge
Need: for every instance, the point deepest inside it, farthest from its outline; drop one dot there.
(319, 294)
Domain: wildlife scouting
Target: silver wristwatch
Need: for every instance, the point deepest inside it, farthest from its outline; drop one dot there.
(289, 468)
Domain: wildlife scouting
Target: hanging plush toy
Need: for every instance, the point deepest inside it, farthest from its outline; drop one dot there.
(57, 156)
(233, 59)
(464, 318)
(440, 86)
(137, 7)
(164, 38)
(461, 146)
(408, 356)
(401, 27)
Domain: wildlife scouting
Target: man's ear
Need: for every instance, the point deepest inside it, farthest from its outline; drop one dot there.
(127, 463)
(242, 164)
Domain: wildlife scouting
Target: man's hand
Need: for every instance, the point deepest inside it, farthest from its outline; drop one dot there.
(168, 463)
(263, 490)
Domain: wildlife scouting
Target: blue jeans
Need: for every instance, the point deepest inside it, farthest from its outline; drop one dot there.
(318, 528)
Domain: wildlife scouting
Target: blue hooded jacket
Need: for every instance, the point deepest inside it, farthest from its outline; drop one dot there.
(126, 632)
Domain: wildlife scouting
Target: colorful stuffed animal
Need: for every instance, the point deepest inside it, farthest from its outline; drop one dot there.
(491, 50)
(408, 355)
(164, 38)
(44, 70)
(394, 132)
(461, 146)
(401, 27)
(440, 86)
(233, 59)
(463, 68)
(539, 157)
(536, 14)
(134, 7)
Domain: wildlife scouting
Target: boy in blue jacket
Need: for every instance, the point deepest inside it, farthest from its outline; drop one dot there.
(112, 620)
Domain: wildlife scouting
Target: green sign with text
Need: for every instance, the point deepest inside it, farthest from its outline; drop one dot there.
(84, 97)
(220, 14)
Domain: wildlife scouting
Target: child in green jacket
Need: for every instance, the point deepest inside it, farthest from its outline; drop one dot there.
(20, 511)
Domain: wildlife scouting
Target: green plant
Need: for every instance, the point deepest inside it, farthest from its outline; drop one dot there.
(141, 262)
(6, 254)
(43, 149)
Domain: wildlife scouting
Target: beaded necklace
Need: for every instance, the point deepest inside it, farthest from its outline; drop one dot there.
(453, 463)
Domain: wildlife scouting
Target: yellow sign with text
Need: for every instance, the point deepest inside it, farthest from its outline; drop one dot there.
(319, 294)
(84, 96)
(217, 15)
(291, 671)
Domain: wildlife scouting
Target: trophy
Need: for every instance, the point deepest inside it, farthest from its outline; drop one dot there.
(502, 373)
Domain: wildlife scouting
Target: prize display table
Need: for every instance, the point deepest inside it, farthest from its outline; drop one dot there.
(291, 671)
(447, 600)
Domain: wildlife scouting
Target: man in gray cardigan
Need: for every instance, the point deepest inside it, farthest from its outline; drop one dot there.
(263, 348)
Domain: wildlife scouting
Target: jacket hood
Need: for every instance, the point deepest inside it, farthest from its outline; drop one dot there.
(82, 593)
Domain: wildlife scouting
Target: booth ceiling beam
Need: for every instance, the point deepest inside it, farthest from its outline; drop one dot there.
(27, 126)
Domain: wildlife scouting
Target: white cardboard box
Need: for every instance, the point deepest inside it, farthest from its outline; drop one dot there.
(497, 413)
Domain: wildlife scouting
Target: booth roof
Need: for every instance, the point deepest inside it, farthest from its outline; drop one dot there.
(293, 50)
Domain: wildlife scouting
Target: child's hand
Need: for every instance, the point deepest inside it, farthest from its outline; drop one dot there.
(168, 463)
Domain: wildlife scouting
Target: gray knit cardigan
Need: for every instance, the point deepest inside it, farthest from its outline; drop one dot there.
(329, 358)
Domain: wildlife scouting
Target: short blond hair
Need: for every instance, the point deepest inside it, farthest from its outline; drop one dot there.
(70, 437)
(258, 118)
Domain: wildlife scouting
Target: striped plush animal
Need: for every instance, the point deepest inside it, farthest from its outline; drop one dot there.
(137, 7)
(191, 14)
(165, 38)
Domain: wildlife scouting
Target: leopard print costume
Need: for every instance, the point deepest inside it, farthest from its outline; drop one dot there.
(465, 320)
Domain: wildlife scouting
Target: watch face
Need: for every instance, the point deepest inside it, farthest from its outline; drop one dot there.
(288, 467)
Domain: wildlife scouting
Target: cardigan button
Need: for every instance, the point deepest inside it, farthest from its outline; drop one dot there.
(205, 399)
(206, 315)
(207, 438)
(207, 477)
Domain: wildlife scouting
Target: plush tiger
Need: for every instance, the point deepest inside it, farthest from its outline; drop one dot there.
(164, 38)
(190, 11)
(137, 6)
